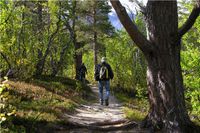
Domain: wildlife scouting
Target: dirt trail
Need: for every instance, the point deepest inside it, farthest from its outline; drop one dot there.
(100, 118)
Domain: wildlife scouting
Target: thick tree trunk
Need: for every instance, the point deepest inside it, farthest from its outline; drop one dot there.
(162, 51)
(164, 78)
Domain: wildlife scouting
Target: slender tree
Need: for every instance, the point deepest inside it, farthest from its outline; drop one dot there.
(162, 52)
(97, 21)
(70, 21)
(42, 56)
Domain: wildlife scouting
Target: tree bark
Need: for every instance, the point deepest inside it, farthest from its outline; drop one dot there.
(95, 35)
(6, 59)
(191, 20)
(95, 49)
(39, 67)
(131, 28)
(77, 58)
(77, 45)
(164, 78)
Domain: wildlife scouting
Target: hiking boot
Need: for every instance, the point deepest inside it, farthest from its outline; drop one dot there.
(106, 102)
(101, 102)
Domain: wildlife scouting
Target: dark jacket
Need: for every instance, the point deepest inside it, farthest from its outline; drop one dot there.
(97, 71)
(82, 70)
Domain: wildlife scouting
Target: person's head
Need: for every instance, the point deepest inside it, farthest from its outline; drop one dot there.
(103, 60)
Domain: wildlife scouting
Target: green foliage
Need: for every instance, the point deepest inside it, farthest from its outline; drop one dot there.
(95, 17)
(190, 60)
(23, 35)
(7, 110)
(134, 114)
(128, 64)
(79, 87)
(195, 101)
(135, 108)
(88, 60)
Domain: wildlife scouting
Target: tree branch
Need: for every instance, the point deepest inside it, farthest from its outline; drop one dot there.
(139, 39)
(190, 21)
(6, 59)
(139, 5)
(52, 38)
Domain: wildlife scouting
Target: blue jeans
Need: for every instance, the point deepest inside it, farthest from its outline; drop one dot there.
(101, 85)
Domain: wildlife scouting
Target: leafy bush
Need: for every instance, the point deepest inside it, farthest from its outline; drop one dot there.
(194, 99)
(6, 109)
(191, 74)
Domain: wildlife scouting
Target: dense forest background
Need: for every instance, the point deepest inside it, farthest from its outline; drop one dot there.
(54, 37)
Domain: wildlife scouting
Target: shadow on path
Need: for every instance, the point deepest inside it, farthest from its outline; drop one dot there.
(100, 118)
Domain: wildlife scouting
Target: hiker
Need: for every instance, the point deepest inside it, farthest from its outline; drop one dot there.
(103, 74)
(82, 72)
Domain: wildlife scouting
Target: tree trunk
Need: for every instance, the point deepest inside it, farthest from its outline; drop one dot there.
(42, 58)
(162, 51)
(94, 15)
(95, 49)
(77, 45)
(164, 78)
(39, 67)
(56, 66)
(6, 59)
(77, 58)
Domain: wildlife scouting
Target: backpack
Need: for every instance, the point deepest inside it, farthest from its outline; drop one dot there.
(103, 73)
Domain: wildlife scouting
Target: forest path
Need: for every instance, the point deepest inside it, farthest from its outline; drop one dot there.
(100, 118)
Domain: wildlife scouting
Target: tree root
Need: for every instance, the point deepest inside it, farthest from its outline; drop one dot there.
(170, 127)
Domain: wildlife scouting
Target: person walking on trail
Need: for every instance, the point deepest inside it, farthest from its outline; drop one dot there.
(82, 72)
(103, 74)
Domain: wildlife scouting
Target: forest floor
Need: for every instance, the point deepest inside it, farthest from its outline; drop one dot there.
(63, 105)
(93, 117)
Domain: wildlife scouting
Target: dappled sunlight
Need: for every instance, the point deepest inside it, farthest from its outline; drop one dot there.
(34, 103)
(103, 117)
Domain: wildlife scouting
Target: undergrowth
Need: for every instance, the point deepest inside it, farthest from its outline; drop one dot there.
(43, 101)
(135, 108)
